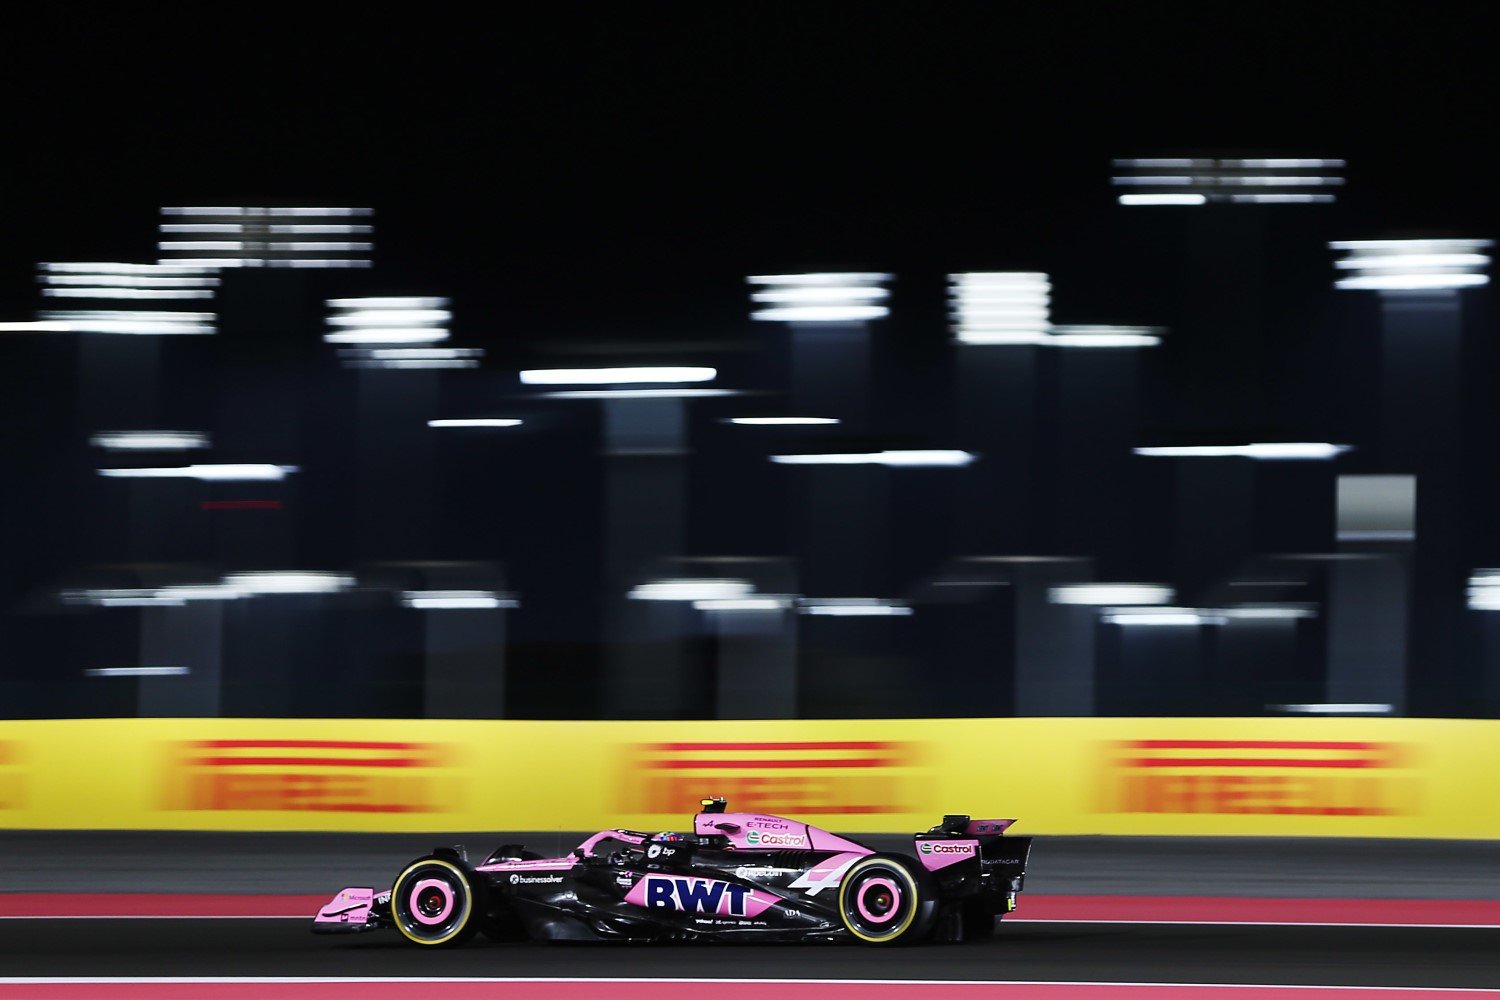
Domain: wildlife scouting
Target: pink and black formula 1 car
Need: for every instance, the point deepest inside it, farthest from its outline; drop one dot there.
(737, 875)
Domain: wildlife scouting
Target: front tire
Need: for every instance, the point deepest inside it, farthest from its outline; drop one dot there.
(435, 903)
(885, 899)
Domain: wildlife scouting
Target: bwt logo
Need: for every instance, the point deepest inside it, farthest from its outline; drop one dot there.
(698, 895)
(309, 775)
(830, 777)
(927, 847)
(1259, 777)
(758, 839)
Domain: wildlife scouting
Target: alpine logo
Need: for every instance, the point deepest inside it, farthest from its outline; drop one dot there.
(756, 838)
(928, 847)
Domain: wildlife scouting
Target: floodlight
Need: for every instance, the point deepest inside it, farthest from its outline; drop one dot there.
(891, 459)
(691, 590)
(833, 297)
(149, 440)
(1201, 180)
(141, 322)
(206, 473)
(1412, 265)
(228, 236)
(1103, 336)
(476, 422)
(1111, 593)
(456, 600)
(126, 281)
(1279, 451)
(137, 672)
(854, 607)
(1162, 616)
(1000, 307)
(288, 582)
(388, 320)
(616, 376)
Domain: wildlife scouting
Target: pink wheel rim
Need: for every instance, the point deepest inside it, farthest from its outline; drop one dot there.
(428, 895)
(887, 907)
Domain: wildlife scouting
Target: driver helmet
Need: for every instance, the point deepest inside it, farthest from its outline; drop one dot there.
(667, 836)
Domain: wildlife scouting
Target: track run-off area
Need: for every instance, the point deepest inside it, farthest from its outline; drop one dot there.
(58, 946)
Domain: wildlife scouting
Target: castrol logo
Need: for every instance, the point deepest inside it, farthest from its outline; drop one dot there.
(759, 839)
(927, 847)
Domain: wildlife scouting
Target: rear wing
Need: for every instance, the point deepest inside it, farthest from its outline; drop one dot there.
(956, 837)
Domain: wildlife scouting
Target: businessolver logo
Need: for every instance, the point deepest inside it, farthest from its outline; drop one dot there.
(832, 777)
(311, 776)
(1260, 777)
(12, 781)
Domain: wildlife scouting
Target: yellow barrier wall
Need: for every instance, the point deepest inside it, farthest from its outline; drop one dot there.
(1284, 777)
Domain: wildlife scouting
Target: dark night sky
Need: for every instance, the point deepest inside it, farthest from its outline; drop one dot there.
(612, 176)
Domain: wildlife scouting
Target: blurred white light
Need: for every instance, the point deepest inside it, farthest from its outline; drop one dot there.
(691, 590)
(282, 582)
(743, 604)
(476, 422)
(1412, 265)
(1163, 199)
(1411, 282)
(1200, 181)
(455, 600)
(1484, 590)
(615, 376)
(36, 326)
(127, 293)
(1000, 307)
(121, 598)
(387, 335)
(206, 473)
(1168, 617)
(854, 607)
(838, 279)
(390, 302)
(1283, 163)
(893, 459)
(171, 277)
(1111, 593)
(133, 321)
(821, 294)
(638, 393)
(1103, 336)
(833, 297)
(1280, 451)
(1268, 612)
(149, 440)
(144, 272)
(821, 314)
(252, 233)
(206, 592)
(390, 317)
(1283, 199)
(782, 421)
(1333, 708)
(136, 672)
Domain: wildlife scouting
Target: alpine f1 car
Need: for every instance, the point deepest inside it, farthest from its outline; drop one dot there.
(736, 876)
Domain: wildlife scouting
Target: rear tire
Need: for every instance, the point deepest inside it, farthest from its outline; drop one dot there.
(885, 899)
(436, 903)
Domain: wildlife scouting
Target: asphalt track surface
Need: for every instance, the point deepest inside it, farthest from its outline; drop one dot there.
(1037, 952)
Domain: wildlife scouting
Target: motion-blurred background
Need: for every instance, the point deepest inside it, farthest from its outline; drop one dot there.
(1049, 288)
